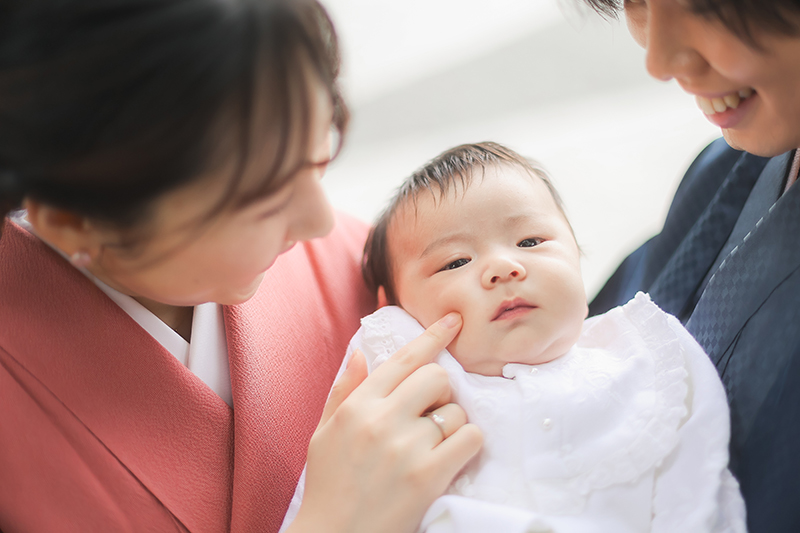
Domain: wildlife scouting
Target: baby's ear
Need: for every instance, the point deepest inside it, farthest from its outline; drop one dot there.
(382, 301)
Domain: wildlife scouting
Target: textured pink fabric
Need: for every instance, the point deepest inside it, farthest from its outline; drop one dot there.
(282, 369)
(101, 429)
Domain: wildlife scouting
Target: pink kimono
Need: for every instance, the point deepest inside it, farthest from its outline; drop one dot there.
(102, 429)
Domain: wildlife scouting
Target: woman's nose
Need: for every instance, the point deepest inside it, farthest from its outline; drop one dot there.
(313, 213)
(501, 270)
(670, 35)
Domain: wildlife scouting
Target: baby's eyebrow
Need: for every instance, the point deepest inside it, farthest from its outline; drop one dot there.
(443, 241)
(515, 220)
(510, 221)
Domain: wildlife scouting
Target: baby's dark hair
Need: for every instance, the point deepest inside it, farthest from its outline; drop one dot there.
(451, 169)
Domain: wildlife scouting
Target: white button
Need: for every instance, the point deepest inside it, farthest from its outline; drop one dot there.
(547, 423)
(534, 370)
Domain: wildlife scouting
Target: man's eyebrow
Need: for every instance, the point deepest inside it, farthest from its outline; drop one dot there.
(447, 239)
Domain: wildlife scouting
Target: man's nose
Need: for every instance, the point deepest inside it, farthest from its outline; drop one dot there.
(671, 37)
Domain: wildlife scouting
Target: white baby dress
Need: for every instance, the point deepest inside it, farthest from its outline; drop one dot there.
(626, 432)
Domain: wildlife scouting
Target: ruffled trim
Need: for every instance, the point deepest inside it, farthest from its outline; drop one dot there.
(381, 337)
(660, 435)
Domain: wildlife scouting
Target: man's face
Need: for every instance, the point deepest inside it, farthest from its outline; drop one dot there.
(502, 255)
(752, 95)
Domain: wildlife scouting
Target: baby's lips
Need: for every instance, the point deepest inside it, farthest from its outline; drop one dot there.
(508, 305)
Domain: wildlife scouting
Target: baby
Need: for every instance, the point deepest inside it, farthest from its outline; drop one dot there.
(613, 424)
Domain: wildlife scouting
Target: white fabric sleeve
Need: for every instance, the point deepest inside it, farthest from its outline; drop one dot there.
(457, 514)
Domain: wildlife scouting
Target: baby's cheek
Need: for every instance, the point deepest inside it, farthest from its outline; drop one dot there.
(421, 311)
(459, 348)
(572, 319)
(433, 303)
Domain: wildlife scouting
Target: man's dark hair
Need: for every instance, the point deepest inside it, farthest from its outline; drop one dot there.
(453, 169)
(739, 16)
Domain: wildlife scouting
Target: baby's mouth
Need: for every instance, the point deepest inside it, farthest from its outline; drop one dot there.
(712, 106)
(511, 308)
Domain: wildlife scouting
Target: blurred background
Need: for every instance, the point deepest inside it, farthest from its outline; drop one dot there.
(548, 78)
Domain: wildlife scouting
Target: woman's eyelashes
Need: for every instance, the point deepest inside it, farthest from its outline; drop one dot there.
(530, 242)
(275, 209)
(455, 264)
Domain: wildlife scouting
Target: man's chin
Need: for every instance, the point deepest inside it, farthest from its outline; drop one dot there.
(762, 146)
(731, 138)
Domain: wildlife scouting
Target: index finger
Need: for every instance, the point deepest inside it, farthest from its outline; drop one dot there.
(413, 355)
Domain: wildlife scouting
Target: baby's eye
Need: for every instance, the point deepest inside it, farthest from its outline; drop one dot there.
(530, 243)
(455, 264)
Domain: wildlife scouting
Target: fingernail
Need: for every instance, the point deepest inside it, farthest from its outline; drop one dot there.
(353, 355)
(449, 321)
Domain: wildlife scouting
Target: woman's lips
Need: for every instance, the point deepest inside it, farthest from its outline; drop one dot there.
(512, 308)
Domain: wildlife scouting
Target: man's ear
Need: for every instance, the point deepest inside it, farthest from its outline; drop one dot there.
(67, 231)
(382, 301)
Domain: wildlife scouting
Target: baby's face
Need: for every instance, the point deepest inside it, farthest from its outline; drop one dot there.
(503, 256)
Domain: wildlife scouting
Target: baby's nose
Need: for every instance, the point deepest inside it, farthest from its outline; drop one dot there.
(513, 274)
(502, 270)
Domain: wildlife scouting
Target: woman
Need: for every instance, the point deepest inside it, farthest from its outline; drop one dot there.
(728, 259)
(171, 376)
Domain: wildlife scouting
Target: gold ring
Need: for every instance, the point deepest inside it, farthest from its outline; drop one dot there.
(439, 421)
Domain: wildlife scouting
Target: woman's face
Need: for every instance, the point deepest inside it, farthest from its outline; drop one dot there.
(224, 260)
(752, 95)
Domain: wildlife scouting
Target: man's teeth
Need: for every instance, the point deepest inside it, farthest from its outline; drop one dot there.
(710, 106)
(731, 100)
(745, 93)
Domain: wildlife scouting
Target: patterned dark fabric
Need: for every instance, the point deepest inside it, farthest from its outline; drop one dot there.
(766, 192)
(686, 268)
(695, 193)
(768, 253)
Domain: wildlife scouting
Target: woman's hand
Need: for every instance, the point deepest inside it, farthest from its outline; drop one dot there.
(375, 462)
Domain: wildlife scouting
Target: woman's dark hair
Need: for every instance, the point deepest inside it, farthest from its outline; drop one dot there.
(456, 168)
(739, 16)
(107, 104)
